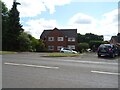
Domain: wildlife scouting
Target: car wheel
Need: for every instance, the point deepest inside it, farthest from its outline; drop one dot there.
(99, 55)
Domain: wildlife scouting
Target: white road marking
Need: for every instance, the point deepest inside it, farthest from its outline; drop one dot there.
(101, 72)
(28, 65)
(91, 62)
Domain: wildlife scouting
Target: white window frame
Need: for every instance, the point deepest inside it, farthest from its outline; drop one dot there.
(60, 38)
(59, 47)
(71, 46)
(50, 38)
(50, 47)
(71, 39)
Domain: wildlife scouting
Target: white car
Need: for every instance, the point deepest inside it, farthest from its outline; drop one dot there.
(63, 50)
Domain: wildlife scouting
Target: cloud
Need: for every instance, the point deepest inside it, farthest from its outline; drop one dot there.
(31, 8)
(109, 23)
(95, 1)
(107, 26)
(84, 23)
(36, 27)
(81, 18)
(110, 17)
(51, 4)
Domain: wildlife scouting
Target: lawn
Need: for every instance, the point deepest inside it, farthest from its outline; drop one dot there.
(7, 52)
(62, 55)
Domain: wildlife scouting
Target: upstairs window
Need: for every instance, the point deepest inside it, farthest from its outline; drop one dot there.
(71, 39)
(50, 38)
(60, 38)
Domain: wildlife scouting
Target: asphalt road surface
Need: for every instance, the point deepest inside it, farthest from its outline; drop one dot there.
(32, 70)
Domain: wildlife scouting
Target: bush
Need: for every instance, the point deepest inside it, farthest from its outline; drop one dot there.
(95, 44)
(82, 47)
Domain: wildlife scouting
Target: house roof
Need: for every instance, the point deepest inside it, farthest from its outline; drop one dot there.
(66, 32)
(116, 38)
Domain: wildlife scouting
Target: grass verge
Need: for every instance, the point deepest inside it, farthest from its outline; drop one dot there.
(6, 52)
(62, 55)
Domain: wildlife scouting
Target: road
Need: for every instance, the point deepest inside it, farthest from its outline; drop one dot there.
(32, 70)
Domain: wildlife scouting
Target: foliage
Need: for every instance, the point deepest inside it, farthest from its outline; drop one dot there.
(93, 40)
(88, 37)
(37, 45)
(24, 42)
(6, 52)
(82, 47)
(15, 29)
(13, 36)
(62, 55)
(95, 44)
(11, 28)
(4, 25)
(118, 34)
(40, 47)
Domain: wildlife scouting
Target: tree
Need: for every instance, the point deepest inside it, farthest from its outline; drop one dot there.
(81, 38)
(95, 44)
(4, 15)
(118, 34)
(40, 46)
(14, 29)
(82, 47)
(24, 42)
(89, 37)
(37, 45)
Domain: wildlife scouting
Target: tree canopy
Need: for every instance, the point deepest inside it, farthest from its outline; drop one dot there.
(89, 37)
(13, 36)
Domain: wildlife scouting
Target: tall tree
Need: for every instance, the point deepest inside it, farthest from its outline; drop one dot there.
(4, 15)
(15, 28)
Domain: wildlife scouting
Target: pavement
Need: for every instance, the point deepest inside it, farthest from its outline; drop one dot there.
(32, 70)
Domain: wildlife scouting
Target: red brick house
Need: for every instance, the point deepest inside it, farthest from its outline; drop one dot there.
(115, 40)
(57, 38)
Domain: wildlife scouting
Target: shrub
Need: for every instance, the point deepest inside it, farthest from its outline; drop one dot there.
(82, 47)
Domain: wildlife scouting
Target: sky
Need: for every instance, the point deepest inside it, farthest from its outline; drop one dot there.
(87, 16)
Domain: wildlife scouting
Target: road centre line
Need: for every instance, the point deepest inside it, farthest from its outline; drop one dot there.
(101, 72)
(28, 65)
(91, 62)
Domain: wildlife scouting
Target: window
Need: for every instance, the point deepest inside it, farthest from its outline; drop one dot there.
(50, 47)
(60, 38)
(59, 47)
(71, 46)
(71, 39)
(50, 38)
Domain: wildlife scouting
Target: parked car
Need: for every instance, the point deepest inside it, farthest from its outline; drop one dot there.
(63, 50)
(118, 45)
(108, 50)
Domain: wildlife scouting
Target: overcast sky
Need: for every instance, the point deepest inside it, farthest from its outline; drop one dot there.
(87, 16)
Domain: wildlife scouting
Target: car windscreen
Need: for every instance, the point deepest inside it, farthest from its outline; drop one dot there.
(105, 46)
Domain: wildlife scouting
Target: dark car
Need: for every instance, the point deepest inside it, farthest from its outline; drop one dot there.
(108, 50)
(118, 45)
